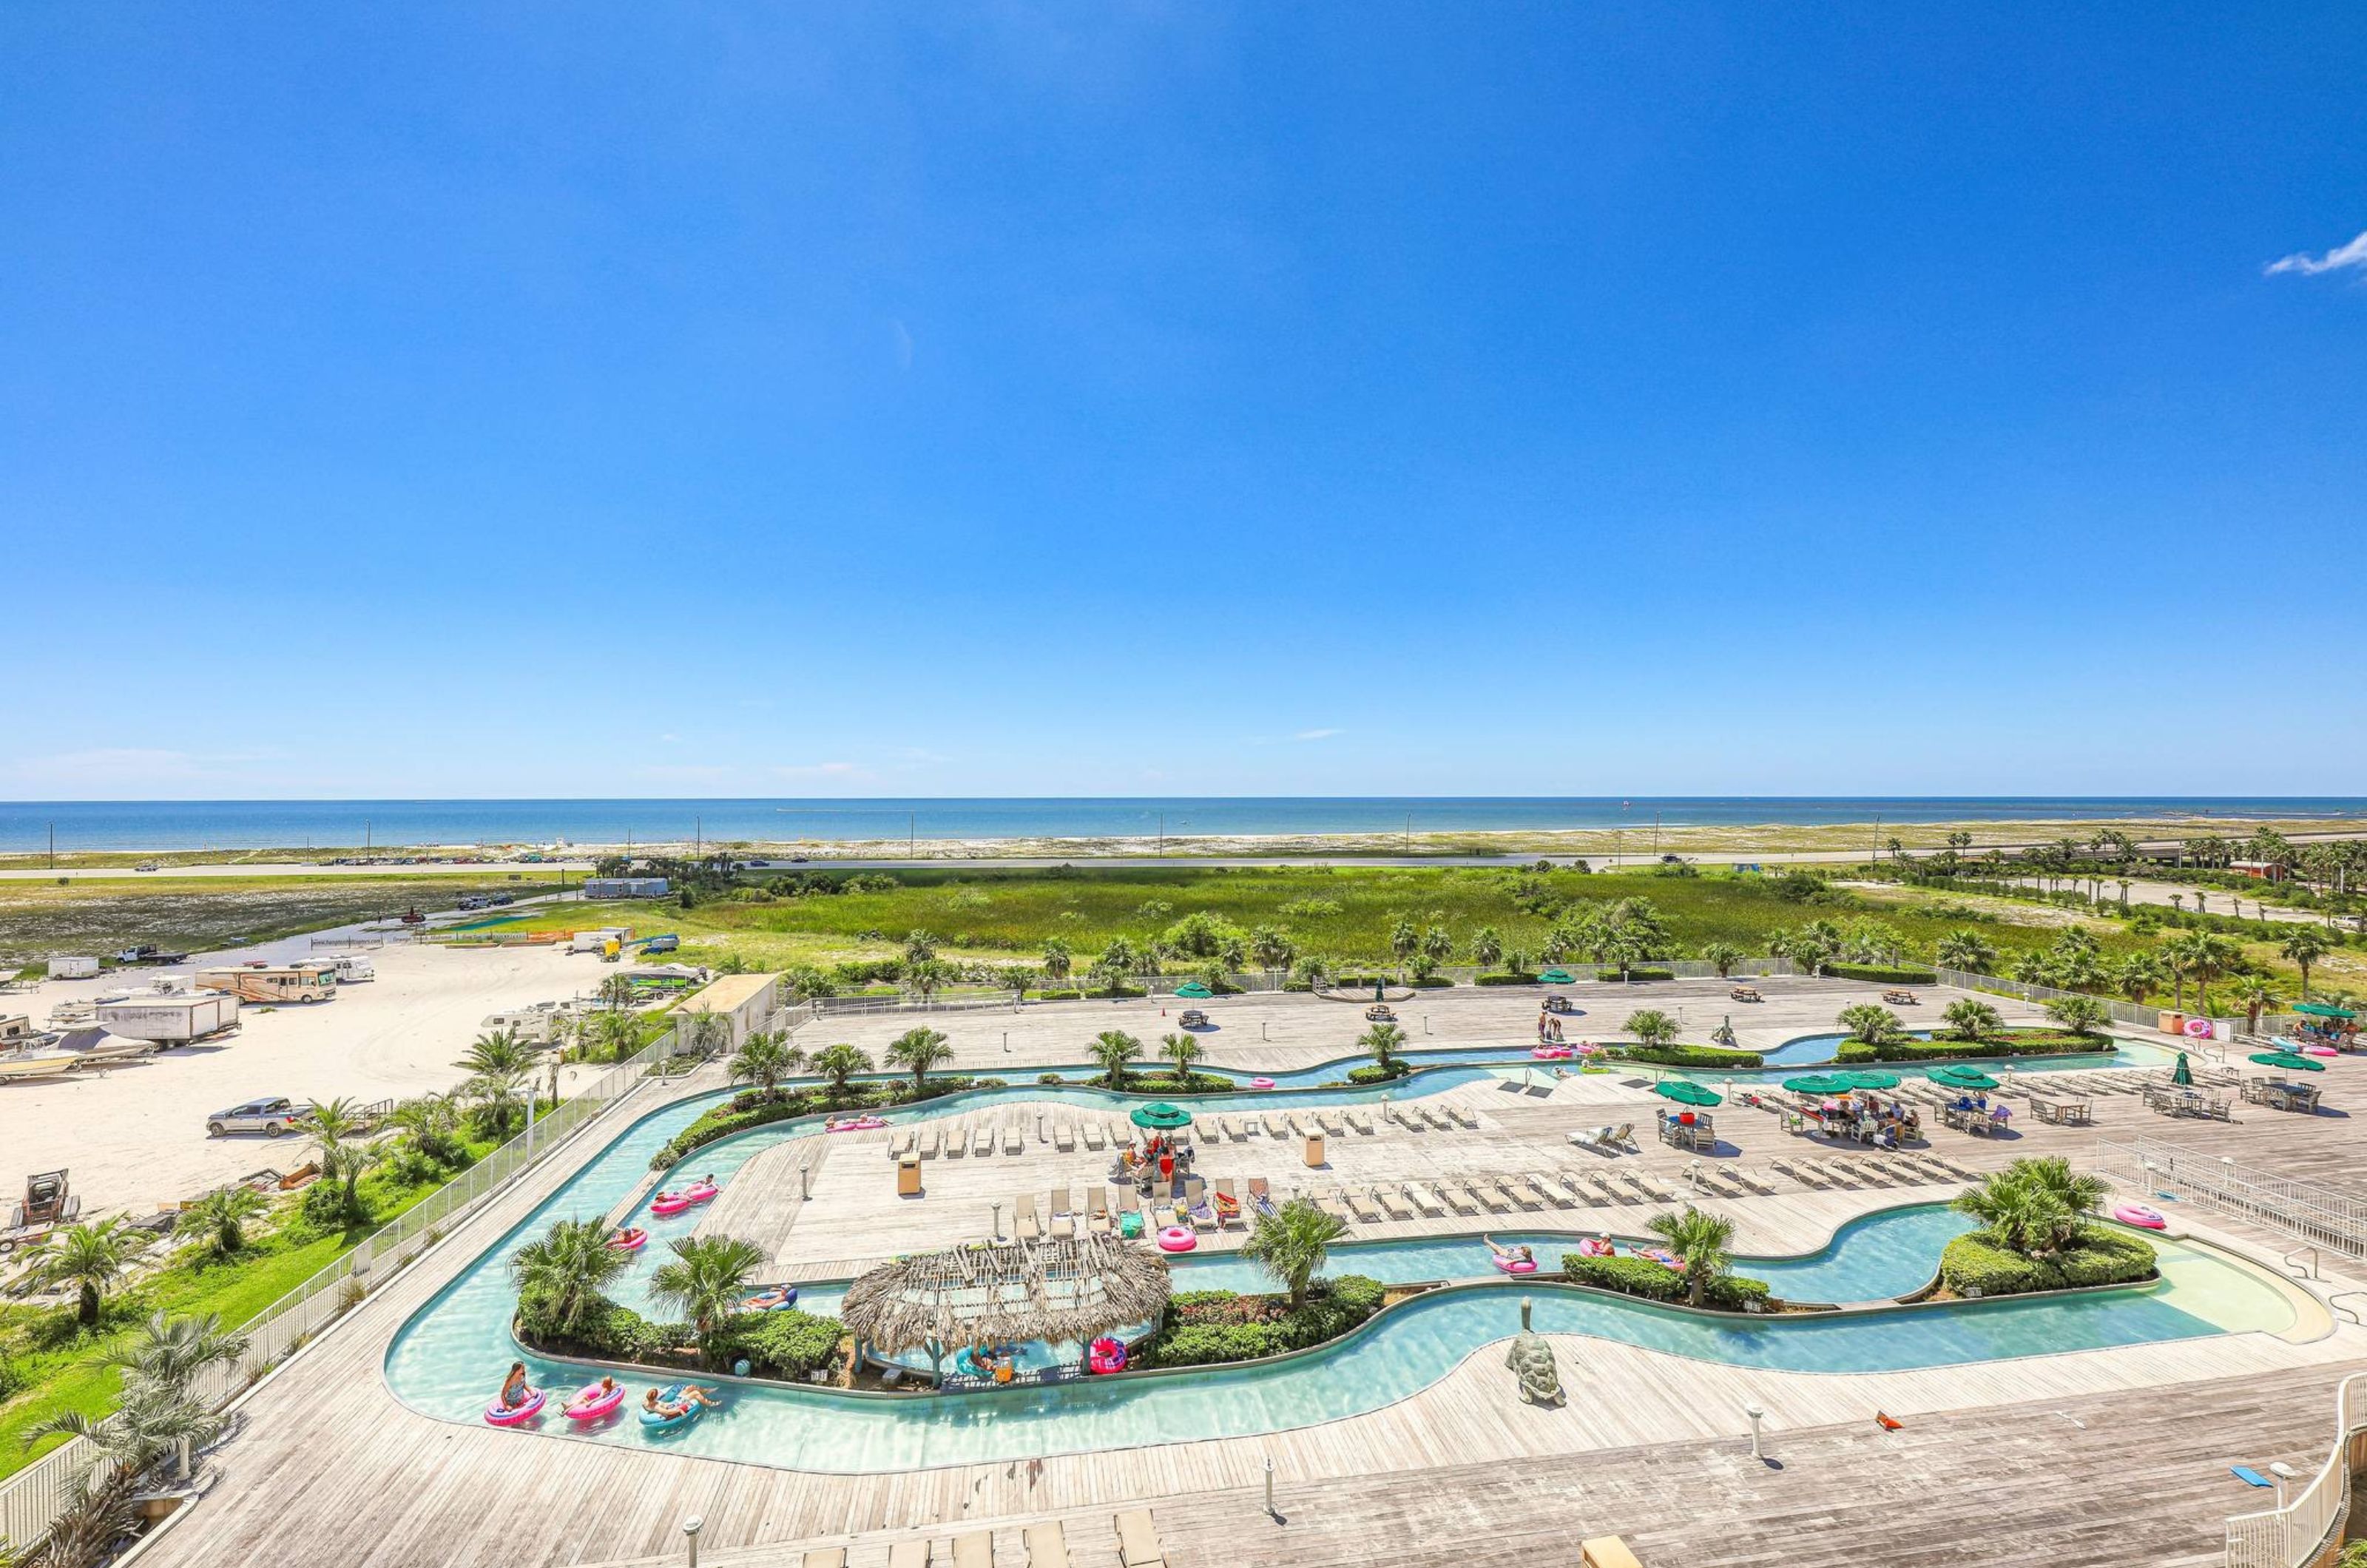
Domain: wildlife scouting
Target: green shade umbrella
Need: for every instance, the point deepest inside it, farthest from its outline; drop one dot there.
(1194, 990)
(2184, 1072)
(1963, 1078)
(1162, 1117)
(2323, 1009)
(1563, 977)
(1685, 1092)
(1871, 1077)
(2287, 1061)
(1815, 1083)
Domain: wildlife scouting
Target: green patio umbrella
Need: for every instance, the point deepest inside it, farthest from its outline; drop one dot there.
(2323, 1009)
(1685, 1092)
(2184, 1072)
(1815, 1083)
(1162, 1117)
(1556, 977)
(1191, 990)
(1867, 1077)
(1963, 1078)
(2287, 1061)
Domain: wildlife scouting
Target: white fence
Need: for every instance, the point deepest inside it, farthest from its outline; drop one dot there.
(34, 1497)
(2320, 1215)
(2144, 1015)
(2294, 1534)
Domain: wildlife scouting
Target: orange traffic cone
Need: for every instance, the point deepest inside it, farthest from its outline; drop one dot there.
(1886, 1423)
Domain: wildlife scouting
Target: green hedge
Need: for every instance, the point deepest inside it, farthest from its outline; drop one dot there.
(604, 1329)
(1205, 1328)
(1642, 1276)
(1505, 980)
(1432, 982)
(2013, 1042)
(1373, 1072)
(1878, 972)
(787, 1344)
(1614, 974)
(1703, 1056)
(1069, 995)
(2099, 1256)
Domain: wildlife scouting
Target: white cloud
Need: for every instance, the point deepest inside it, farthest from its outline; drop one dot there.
(2352, 254)
(1315, 734)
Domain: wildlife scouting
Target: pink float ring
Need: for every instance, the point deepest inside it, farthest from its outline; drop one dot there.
(1594, 1247)
(630, 1239)
(591, 1402)
(1517, 1264)
(1662, 1256)
(2320, 1051)
(1260, 1082)
(1176, 1238)
(855, 1124)
(675, 1202)
(2140, 1215)
(2198, 1028)
(502, 1415)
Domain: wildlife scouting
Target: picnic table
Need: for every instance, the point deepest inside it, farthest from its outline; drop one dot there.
(2062, 1113)
(2173, 1100)
(2279, 1095)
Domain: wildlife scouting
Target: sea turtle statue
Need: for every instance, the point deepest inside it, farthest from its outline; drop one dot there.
(1532, 1359)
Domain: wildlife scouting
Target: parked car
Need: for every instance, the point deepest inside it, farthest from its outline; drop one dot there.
(268, 1117)
(147, 865)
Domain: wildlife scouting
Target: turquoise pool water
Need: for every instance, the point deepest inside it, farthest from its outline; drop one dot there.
(448, 1358)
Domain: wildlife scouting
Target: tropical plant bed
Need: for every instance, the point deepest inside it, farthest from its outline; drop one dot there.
(1973, 1264)
(1655, 1282)
(1883, 974)
(2010, 1042)
(1204, 1328)
(785, 1346)
(1705, 1057)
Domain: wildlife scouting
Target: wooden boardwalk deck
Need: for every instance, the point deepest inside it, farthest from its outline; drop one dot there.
(2103, 1457)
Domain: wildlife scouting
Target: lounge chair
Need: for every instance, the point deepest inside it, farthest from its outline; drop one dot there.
(1459, 1198)
(1579, 1191)
(828, 1557)
(1592, 1137)
(1491, 1197)
(981, 1140)
(1064, 1218)
(1361, 1204)
(1463, 1116)
(1361, 1120)
(1023, 1223)
(1203, 1215)
(1273, 1128)
(1393, 1204)
(1425, 1199)
(1329, 1202)
(1652, 1191)
(909, 1554)
(1096, 1137)
(1261, 1198)
(975, 1549)
(1097, 1214)
(1624, 1137)
(901, 1145)
(1551, 1193)
(1047, 1545)
(1137, 1540)
(1612, 1192)
(957, 1139)
(1227, 1201)
(1064, 1138)
(1329, 1122)
(1013, 1141)
(929, 1141)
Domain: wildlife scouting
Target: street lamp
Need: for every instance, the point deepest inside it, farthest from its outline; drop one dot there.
(690, 1528)
(1756, 1414)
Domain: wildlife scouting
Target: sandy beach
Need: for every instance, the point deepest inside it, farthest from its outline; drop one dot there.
(136, 1137)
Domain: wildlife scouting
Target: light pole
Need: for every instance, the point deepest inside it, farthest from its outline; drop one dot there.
(1756, 1414)
(690, 1528)
(2283, 1472)
(1269, 1510)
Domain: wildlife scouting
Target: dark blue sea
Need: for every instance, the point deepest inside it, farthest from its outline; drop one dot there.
(341, 824)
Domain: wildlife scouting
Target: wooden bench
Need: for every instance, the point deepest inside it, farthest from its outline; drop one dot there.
(1606, 1551)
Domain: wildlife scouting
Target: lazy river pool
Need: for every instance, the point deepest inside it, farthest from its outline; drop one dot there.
(449, 1355)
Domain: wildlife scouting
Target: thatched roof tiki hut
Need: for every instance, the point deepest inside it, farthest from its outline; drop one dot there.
(1069, 1289)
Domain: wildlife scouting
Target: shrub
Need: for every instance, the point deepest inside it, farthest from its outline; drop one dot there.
(783, 1344)
(1702, 1056)
(1373, 1073)
(1895, 977)
(606, 1329)
(1068, 996)
(1505, 980)
(1642, 1276)
(1636, 974)
(1432, 982)
(1973, 1264)
(2013, 1042)
(1208, 1328)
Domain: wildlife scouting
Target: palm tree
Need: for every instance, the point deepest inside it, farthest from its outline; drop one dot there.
(220, 1217)
(1487, 947)
(169, 1352)
(1702, 1241)
(2257, 997)
(1292, 1243)
(2034, 1204)
(764, 1058)
(1404, 939)
(1271, 948)
(2210, 956)
(1018, 977)
(1183, 1051)
(1437, 944)
(2177, 955)
(432, 1123)
(1722, 956)
(2080, 1015)
(1383, 1041)
(1057, 960)
(918, 1050)
(701, 1032)
(91, 1258)
(706, 1278)
(502, 1052)
(616, 992)
(1869, 1024)
(1969, 1020)
(837, 1063)
(569, 1263)
(337, 1129)
(1651, 1027)
(1116, 962)
(2137, 976)
(1965, 950)
(1113, 1049)
(2302, 947)
(920, 947)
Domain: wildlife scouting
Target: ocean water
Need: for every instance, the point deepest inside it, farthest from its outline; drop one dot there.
(339, 824)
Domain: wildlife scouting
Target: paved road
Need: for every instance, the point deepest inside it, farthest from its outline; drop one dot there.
(543, 872)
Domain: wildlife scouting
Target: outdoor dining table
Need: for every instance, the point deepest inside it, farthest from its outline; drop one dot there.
(2283, 1096)
(2062, 1113)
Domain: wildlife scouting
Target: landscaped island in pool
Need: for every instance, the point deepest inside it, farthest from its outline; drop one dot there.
(449, 1359)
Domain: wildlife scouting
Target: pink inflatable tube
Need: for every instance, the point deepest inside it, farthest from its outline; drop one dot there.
(591, 1402)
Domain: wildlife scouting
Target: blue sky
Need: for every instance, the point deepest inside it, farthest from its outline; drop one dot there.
(493, 399)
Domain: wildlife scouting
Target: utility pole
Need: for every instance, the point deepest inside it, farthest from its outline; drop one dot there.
(1162, 835)
(913, 834)
(367, 825)
(697, 836)
(1409, 838)
(53, 846)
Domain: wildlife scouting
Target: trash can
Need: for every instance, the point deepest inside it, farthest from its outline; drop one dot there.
(1314, 1151)
(907, 1176)
(2173, 1023)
